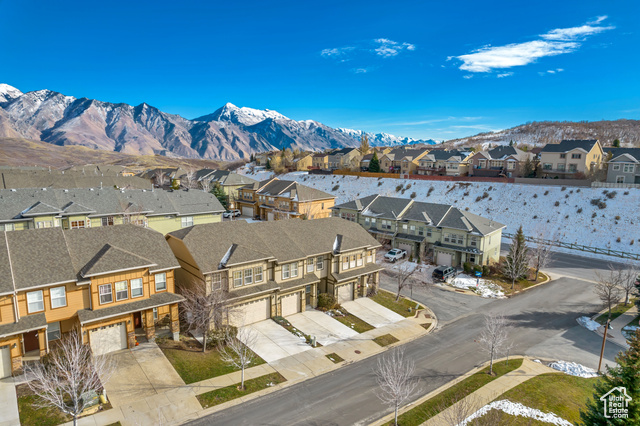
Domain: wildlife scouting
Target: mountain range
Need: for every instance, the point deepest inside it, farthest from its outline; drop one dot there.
(228, 134)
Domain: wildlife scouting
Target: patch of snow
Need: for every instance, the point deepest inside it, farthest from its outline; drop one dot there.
(517, 409)
(574, 369)
(484, 288)
(629, 331)
(588, 323)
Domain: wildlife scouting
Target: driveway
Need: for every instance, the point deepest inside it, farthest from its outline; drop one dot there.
(326, 329)
(372, 312)
(140, 373)
(273, 342)
(8, 403)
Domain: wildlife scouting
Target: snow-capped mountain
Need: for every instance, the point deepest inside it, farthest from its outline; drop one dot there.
(384, 139)
(230, 133)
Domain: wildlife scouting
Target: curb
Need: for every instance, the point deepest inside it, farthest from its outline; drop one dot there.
(535, 285)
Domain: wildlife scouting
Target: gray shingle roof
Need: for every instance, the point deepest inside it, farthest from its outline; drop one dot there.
(24, 324)
(617, 152)
(16, 178)
(347, 275)
(568, 145)
(282, 240)
(290, 189)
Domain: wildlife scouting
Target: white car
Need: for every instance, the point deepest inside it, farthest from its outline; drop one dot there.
(231, 213)
(395, 254)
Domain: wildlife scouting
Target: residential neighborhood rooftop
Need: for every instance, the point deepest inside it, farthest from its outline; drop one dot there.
(569, 145)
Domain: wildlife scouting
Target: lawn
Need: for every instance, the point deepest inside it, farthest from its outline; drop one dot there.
(385, 340)
(616, 312)
(521, 284)
(33, 416)
(222, 395)
(556, 393)
(351, 321)
(388, 300)
(432, 406)
(334, 357)
(193, 365)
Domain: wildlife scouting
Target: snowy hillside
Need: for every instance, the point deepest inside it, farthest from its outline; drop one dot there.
(567, 215)
(8, 93)
(384, 139)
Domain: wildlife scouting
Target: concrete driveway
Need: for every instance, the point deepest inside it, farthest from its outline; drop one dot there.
(274, 342)
(8, 403)
(326, 329)
(140, 373)
(372, 312)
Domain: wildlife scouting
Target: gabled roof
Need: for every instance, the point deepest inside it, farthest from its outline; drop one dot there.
(289, 189)
(623, 154)
(113, 259)
(569, 145)
(40, 208)
(76, 208)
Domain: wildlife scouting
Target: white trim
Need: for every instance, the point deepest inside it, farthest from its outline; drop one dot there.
(127, 312)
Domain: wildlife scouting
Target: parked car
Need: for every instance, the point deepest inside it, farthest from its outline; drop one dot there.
(443, 273)
(395, 254)
(231, 213)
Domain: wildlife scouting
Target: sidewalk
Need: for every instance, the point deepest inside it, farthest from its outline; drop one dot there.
(615, 331)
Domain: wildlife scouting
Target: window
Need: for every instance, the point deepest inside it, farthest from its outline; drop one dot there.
(105, 294)
(628, 168)
(460, 239)
(472, 258)
(58, 297)
(345, 262)
(216, 281)
(187, 221)
(7, 227)
(412, 228)
(307, 289)
(319, 263)
(352, 264)
(546, 166)
(573, 168)
(161, 281)
(294, 269)
(620, 179)
(107, 221)
(616, 167)
(35, 302)
(290, 270)
(257, 272)
(53, 331)
(404, 227)
(77, 224)
(155, 314)
(309, 265)
(136, 287)
(563, 155)
(248, 276)
(576, 155)
(561, 167)
(366, 220)
(121, 290)
(511, 165)
(446, 238)
(370, 256)
(359, 260)
(421, 231)
(428, 232)
(44, 224)
(237, 279)
(473, 241)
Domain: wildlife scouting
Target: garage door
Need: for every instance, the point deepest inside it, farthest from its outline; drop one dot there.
(269, 216)
(345, 293)
(5, 362)
(108, 339)
(247, 211)
(251, 312)
(444, 258)
(290, 304)
(407, 247)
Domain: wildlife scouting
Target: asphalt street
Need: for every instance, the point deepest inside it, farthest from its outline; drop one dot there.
(543, 324)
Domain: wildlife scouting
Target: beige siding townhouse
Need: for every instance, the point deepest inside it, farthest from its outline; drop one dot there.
(277, 268)
(441, 232)
(444, 163)
(391, 162)
(571, 158)
(506, 161)
(229, 182)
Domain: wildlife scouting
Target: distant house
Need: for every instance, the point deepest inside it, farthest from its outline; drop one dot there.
(624, 165)
(170, 175)
(229, 181)
(391, 162)
(14, 178)
(320, 161)
(571, 157)
(303, 163)
(444, 163)
(503, 160)
(365, 161)
(262, 158)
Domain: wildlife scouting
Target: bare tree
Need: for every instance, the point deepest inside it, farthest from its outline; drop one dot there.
(205, 184)
(133, 214)
(404, 276)
(395, 377)
(541, 253)
(203, 311)
(190, 177)
(608, 288)
(160, 177)
(515, 265)
(236, 349)
(70, 372)
(629, 277)
(494, 337)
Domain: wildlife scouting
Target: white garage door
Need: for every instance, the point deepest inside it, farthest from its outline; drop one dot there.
(444, 259)
(290, 304)
(251, 312)
(269, 216)
(345, 293)
(5, 362)
(407, 247)
(247, 211)
(108, 339)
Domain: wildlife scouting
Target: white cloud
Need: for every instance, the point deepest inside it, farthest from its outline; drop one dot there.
(360, 70)
(336, 52)
(388, 48)
(557, 70)
(555, 42)
(468, 76)
(505, 74)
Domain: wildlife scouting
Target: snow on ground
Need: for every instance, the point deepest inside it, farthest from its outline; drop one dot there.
(574, 369)
(532, 206)
(484, 288)
(258, 173)
(517, 409)
(628, 331)
(422, 271)
(588, 323)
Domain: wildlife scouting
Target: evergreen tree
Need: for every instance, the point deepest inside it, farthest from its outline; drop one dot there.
(374, 164)
(268, 164)
(511, 142)
(516, 264)
(616, 143)
(625, 374)
(220, 195)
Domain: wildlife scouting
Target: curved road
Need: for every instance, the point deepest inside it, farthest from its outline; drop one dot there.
(544, 325)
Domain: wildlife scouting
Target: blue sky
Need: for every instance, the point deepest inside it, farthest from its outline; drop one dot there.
(425, 69)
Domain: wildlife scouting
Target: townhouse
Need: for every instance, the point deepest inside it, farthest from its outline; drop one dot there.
(229, 182)
(392, 161)
(444, 233)
(571, 158)
(623, 165)
(320, 161)
(303, 163)
(444, 163)
(275, 199)
(504, 161)
(163, 211)
(276, 268)
(13, 178)
(114, 285)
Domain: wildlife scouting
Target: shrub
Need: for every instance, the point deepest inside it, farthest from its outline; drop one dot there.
(546, 192)
(535, 195)
(525, 203)
(626, 192)
(408, 186)
(486, 270)
(611, 195)
(478, 198)
(557, 203)
(430, 191)
(399, 188)
(335, 188)
(599, 203)
(326, 301)
(631, 243)
(578, 190)
(490, 188)
(617, 217)
(594, 215)
(535, 216)
(618, 240)
(564, 188)
(485, 194)
(566, 217)
(580, 210)
(566, 196)
(467, 267)
(379, 183)
(466, 194)
(216, 338)
(414, 195)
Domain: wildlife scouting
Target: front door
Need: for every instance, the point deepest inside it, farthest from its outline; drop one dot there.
(137, 320)
(31, 341)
